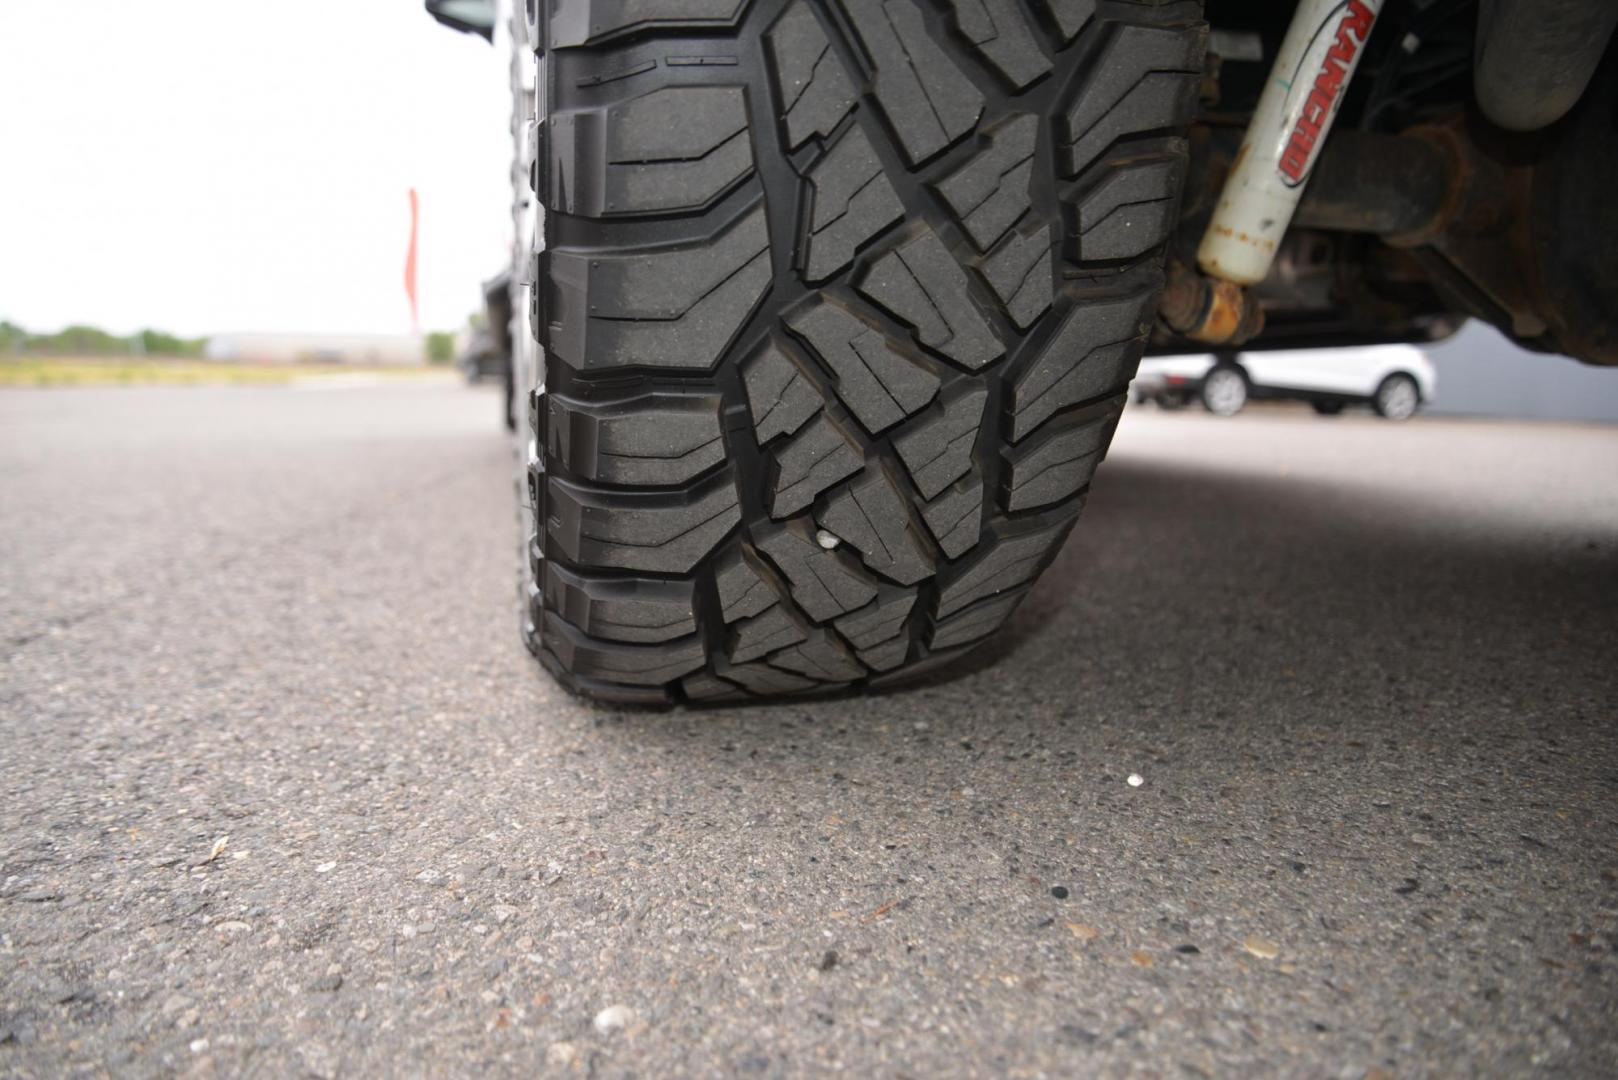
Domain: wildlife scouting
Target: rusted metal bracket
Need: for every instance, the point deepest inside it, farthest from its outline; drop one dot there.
(1207, 309)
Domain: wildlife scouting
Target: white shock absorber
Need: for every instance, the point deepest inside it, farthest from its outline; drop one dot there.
(1295, 112)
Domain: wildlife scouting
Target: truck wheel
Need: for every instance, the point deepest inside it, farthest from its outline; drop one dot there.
(839, 305)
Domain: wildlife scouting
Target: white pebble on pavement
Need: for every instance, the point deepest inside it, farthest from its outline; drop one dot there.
(614, 1018)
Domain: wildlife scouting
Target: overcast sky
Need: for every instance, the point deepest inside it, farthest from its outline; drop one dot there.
(213, 165)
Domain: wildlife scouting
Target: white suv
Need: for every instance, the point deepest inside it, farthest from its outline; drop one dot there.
(1394, 380)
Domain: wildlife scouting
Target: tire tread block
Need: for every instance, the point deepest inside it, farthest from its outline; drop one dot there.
(764, 633)
(1057, 465)
(977, 621)
(1019, 272)
(819, 657)
(1146, 78)
(878, 632)
(852, 202)
(614, 609)
(997, 29)
(923, 285)
(956, 517)
(711, 689)
(937, 448)
(1012, 561)
(878, 384)
(635, 665)
(656, 439)
(677, 148)
(886, 656)
(822, 585)
(815, 91)
(663, 533)
(813, 460)
(990, 192)
(947, 660)
(780, 396)
(1131, 210)
(869, 514)
(676, 308)
(1070, 15)
(928, 101)
(743, 590)
(1092, 355)
(767, 681)
(879, 621)
(584, 22)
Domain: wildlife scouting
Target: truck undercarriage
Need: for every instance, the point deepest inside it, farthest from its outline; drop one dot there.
(1464, 177)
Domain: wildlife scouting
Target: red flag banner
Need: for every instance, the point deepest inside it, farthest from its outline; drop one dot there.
(410, 262)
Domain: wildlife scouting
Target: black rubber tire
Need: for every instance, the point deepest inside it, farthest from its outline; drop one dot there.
(839, 306)
(1218, 372)
(1327, 408)
(1397, 381)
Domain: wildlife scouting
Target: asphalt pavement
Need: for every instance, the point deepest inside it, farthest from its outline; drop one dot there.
(282, 794)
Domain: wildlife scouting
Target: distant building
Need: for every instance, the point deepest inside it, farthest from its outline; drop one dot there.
(272, 348)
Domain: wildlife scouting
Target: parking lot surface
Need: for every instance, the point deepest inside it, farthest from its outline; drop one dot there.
(281, 793)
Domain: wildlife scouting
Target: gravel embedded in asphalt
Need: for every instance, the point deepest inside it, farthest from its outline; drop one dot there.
(281, 792)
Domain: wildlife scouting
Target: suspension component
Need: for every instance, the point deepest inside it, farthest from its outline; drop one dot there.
(1208, 310)
(1317, 58)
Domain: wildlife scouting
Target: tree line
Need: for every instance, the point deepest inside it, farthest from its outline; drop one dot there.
(81, 340)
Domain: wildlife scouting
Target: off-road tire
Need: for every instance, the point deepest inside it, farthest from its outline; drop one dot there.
(839, 304)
